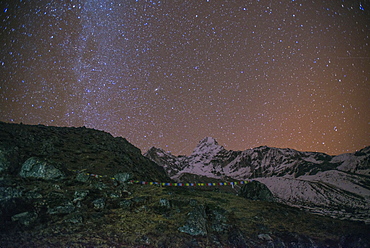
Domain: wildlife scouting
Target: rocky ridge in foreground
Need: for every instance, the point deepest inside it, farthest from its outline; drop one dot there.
(68, 149)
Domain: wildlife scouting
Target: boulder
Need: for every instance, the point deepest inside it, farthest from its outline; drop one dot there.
(80, 195)
(12, 202)
(38, 168)
(164, 203)
(7, 193)
(4, 163)
(9, 159)
(99, 203)
(126, 204)
(265, 237)
(205, 220)
(256, 191)
(82, 177)
(218, 219)
(122, 177)
(25, 218)
(66, 208)
(196, 223)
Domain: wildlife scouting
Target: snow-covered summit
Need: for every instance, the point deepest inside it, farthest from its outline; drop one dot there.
(206, 146)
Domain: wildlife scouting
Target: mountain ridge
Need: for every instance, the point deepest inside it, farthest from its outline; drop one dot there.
(73, 148)
(331, 185)
(208, 149)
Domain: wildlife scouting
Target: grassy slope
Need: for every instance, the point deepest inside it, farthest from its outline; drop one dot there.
(147, 223)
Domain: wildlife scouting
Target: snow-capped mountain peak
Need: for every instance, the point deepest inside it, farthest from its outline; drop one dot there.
(206, 146)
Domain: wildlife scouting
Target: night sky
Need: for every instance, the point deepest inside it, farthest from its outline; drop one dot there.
(169, 73)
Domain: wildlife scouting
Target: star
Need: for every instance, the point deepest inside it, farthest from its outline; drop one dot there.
(278, 73)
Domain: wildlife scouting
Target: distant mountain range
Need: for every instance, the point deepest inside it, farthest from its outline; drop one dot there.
(338, 186)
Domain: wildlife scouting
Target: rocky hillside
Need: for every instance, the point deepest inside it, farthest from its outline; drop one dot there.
(69, 149)
(72, 187)
(333, 185)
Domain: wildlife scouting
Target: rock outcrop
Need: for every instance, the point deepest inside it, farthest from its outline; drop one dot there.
(38, 168)
(256, 191)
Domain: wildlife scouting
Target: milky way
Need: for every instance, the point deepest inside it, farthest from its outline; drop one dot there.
(168, 73)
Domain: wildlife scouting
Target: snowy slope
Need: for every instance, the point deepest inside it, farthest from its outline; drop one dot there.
(321, 197)
(334, 185)
(357, 162)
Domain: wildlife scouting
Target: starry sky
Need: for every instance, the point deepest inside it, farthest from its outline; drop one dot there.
(284, 73)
